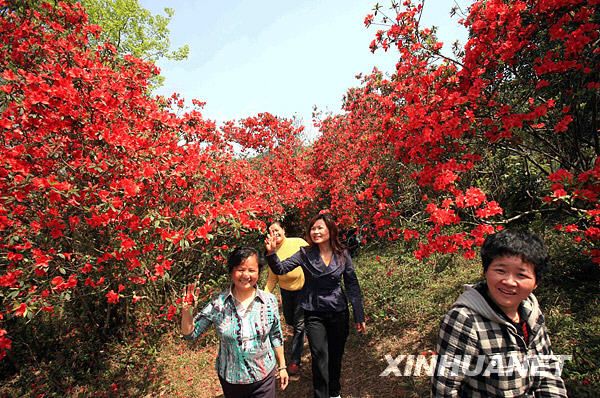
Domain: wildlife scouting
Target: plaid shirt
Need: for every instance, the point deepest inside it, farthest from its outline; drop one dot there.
(475, 338)
(247, 339)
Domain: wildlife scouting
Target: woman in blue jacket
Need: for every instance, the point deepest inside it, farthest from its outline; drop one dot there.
(325, 263)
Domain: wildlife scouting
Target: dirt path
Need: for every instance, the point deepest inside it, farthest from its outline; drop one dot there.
(191, 373)
(360, 374)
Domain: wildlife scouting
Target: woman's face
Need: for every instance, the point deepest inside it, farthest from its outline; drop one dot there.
(319, 233)
(510, 280)
(278, 232)
(245, 275)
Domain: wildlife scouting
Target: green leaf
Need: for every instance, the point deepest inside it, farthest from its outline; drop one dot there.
(133, 29)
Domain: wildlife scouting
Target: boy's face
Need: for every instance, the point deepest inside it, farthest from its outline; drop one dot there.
(510, 281)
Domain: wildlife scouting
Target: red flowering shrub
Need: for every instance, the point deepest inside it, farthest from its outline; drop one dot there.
(109, 197)
(355, 164)
(504, 132)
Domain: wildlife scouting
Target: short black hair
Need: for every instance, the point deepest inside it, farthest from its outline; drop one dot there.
(240, 254)
(278, 222)
(526, 245)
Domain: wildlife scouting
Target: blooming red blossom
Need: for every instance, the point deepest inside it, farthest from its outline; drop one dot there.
(103, 183)
(112, 297)
(21, 309)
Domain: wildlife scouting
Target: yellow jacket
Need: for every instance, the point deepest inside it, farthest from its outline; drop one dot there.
(293, 280)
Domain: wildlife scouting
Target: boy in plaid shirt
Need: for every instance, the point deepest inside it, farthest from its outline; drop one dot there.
(493, 341)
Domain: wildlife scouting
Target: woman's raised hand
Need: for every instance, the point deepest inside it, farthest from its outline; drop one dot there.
(191, 294)
(270, 243)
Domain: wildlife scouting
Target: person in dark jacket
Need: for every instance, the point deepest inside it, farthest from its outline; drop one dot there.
(325, 263)
(493, 342)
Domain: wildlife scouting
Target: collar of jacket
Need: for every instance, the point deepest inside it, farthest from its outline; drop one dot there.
(259, 295)
(318, 265)
(472, 299)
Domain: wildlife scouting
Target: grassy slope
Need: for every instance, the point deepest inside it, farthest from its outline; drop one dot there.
(405, 299)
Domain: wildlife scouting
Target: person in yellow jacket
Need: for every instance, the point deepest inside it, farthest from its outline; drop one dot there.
(290, 286)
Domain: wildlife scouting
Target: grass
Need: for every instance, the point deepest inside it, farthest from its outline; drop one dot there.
(404, 301)
(189, 367)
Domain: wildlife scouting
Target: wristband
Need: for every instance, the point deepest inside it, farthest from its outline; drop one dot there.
(282, 368)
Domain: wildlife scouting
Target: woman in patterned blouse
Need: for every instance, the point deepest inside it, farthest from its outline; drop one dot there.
(247, 321)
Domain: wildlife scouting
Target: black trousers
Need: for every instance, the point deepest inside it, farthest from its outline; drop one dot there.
(294, 316)
(260, 389)
(327, 334)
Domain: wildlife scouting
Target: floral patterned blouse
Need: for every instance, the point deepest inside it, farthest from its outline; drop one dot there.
(247, 337)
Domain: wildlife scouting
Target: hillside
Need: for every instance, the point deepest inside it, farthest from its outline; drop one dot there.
(405, 300)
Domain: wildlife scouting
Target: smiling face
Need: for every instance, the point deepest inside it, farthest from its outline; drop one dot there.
(319, 233)
(245, 275)
(278, 232)
(510, 280)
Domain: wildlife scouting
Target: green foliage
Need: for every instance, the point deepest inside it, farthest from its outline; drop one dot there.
(79, 363)
(400, 291)
(570, 298)
(404, 296)
(131, 28)
(134, 30)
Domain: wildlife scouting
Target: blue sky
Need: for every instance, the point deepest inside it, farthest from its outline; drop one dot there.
(278, 56)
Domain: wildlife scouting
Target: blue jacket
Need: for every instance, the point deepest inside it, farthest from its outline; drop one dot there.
(322, 289)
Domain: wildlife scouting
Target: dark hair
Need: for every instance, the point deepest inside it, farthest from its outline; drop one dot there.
(241, 254)
(334, 238)
(529, 247)
(278, 223)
